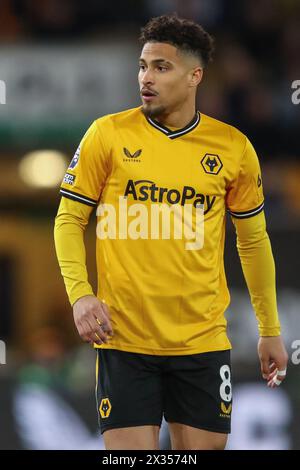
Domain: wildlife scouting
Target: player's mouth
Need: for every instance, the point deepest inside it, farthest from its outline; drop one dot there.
(148, 95)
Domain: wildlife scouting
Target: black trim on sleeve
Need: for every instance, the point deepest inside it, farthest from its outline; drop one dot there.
(78, 197)
(246, 214)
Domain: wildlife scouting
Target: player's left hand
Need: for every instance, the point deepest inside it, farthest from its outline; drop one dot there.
(273, 359)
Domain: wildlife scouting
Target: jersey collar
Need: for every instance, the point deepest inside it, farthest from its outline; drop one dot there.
(178, 132)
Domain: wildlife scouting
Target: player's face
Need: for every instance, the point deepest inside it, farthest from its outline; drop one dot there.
(164, 78)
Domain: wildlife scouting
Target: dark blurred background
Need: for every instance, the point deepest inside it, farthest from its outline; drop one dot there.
(64, 63)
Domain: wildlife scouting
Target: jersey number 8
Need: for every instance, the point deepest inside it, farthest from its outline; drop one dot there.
(225, 387)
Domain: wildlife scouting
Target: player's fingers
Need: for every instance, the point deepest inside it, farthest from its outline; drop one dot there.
(96, 333)
(275, 382)
(281, 373)
(273, 374)
(277, 378)
(88, 334)
(272, 367)
(95, 338)
(106, 324)
(99, 328)
(83, 330)
(264, 365)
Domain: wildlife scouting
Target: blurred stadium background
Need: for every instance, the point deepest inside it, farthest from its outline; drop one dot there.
(64, 63)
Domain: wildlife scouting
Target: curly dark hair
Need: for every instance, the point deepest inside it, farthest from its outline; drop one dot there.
(186, 35)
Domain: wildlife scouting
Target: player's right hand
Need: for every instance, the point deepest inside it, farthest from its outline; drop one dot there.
(92, 319)
(273, 359)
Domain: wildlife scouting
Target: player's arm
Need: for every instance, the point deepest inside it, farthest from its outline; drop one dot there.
(245, 202)
(80, 192)
(258, 266)
(70, 223)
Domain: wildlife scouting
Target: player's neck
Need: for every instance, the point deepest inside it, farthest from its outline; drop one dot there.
(177, 119)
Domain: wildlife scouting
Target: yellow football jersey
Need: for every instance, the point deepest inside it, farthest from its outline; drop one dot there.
(164, 298)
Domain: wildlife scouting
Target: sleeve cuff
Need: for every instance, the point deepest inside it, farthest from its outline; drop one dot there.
(269, 331)
(246, 214)
(79, 292)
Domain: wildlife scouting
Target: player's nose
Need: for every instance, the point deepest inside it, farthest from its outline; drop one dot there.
(147, 78)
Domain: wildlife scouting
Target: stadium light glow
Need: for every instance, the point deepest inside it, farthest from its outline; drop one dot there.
(43, 168)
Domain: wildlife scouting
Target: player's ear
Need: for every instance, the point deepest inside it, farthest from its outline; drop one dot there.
(196, 76)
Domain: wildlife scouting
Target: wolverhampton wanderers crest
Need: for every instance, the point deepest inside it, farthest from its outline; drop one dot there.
(105, 408)
(211, 164)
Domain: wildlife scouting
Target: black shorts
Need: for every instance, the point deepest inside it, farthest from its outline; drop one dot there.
(139, 389)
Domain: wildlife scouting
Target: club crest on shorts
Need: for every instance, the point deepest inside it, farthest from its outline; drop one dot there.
(105, 408)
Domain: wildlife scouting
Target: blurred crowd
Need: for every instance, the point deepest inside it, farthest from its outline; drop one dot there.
(257, 52)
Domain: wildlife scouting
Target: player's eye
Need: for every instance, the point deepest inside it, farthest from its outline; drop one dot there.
(142, 67)
(161, 68)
